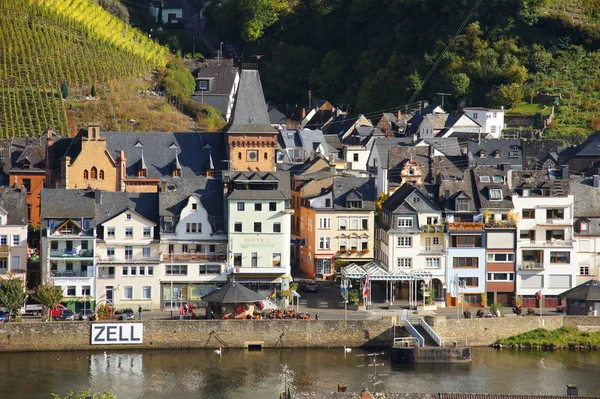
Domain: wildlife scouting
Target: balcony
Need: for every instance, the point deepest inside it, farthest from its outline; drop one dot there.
(433, 228)
(465, 226)
(71, 254)
(432, 249)
(70, 273)
(531, 265)
(105, 276)
(214, 257)
(546, 243)
(554, 222)
(259, 270)
(4, 249)
(132, 259)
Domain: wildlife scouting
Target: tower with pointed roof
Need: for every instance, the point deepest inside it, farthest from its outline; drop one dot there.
(251, 140)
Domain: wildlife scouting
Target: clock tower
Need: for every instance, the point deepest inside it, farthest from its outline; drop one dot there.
(251, 140)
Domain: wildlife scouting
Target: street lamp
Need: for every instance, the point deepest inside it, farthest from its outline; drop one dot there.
(345, 286)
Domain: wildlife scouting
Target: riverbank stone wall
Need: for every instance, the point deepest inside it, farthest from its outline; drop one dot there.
(485, 331)
(165, 334)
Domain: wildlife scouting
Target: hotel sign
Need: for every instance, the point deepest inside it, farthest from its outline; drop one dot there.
(256, 241)
(116, 333)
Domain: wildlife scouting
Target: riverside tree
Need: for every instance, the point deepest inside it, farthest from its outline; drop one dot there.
(12, 294)
(48, 294)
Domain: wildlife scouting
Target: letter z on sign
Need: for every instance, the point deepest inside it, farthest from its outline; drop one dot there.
(116, 333)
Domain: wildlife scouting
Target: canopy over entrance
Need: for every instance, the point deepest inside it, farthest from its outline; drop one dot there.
(376, 272)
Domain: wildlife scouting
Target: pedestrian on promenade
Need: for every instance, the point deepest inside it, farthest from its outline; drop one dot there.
(140, 312)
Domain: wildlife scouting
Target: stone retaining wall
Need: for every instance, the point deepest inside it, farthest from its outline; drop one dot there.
(484, 332)
(164, 334)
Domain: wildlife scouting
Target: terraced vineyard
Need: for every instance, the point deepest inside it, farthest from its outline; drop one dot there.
(44, 43)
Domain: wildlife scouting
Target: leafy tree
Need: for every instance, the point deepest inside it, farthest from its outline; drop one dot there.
(413, 81)
(329, 78)
(260, 14)
(516, 74)
(85, 394)
(64, 89)
(509, 95)
(178, 81)
(12, 293)
(460, 83)
(48, 294)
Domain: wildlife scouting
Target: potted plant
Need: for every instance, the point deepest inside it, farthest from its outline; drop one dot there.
(342, 250)
(353, 297)
(365, 251)
(354, 251)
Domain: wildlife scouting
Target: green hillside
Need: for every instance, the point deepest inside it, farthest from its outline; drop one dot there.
(45, 43)
(373, 55)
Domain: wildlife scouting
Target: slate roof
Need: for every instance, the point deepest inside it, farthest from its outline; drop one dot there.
(194, 151)
(586, 198)
(590, 147)
(446, 145)
(275, 116)
(210, 191)
(363, 187)
(540, 182)
(309, 140)
(417, 118)
(400, 196)
(383, 144)
(221, 73)
(506, 396)
(256, 195)
(459, 185)
(250, 110)
(482, 189)
(495, 152)
(398, 156)
(232, 293)
(62, 204)
(588, 291)
(279, 179)
(14, 202)
(115, 203)
(536, 151)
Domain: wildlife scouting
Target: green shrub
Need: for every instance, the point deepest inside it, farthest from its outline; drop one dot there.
(495, 308)
(353, 296)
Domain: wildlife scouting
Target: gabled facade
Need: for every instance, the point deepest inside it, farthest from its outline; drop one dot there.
(545, 246)
(258, 214)
(128, 252)
(68, 242)
(410, 237)
(217, 82)
(491, 119)
(13, 233)
(192, 239)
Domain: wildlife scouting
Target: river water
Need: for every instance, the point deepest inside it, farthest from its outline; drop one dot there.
(262, 375)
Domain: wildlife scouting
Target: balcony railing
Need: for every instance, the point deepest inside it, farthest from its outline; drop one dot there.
(433, 228)
(531, 266)
(432, 249)
(547, 243)
(105, 275)
(71, 253)
(4, 248)
(132, 259)
(259, 270)
(69, 273)
(465, 226)
(219, 256)
(555, 222)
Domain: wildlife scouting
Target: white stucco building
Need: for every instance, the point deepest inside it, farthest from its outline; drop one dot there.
(13, 233)
(491, 119)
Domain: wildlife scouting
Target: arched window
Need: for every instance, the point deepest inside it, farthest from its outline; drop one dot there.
(239, 155)
(93, 173)
(101, 174)
(266, 156)
(86, 174)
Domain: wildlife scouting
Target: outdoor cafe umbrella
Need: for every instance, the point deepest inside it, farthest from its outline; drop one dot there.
(233, 293)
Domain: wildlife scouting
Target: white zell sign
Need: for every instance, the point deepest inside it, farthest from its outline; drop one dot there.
(116, 333)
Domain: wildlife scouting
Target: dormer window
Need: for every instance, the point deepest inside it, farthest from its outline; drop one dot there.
(463, 204)
(209, 172)
(202, 85)
(176, 172)
(354, 204)
(482, 154)
(526, 192)
(142, 173)
(584, 225)
(495, 194)
(411, 171)
(497, 154)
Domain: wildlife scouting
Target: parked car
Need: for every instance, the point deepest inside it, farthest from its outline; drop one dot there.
(67, 314)
(85, 314)
(561, 308)
(34, 309)
(128, 314)
(4, 316)
(311, 287)
(56, 312)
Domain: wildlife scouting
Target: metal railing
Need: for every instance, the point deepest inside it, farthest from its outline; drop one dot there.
(413, 332)
(531, 266)
(431, 333)
(565, 222)
(432, 249)
(546, 243)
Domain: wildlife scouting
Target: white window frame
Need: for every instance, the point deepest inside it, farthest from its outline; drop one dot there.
(110, 232)
(149, 289)
(127, 230)
(16, 239)
(495, 194)
(430, 263)
(491, 257)
(147, 233)
(324, 242)
(404, 241)
(124, 270)
(490, 277)
(146, 252)
(343, 223)
(404, 263)
(584, 269)
(324, 223)
(405, 222)
(353, 223)
(125, 289)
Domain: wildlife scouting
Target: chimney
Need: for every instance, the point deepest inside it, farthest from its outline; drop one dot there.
(303, 113)
(399, 116)
(414, 138)
(65, 162)
(572, 390)
(98, 196)
(596, 181)
(163, 186)
(365, 394)
(122, 162)
(565, 171)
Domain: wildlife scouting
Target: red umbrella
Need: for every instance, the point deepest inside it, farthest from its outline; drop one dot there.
(190, 309)
(182, 311)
